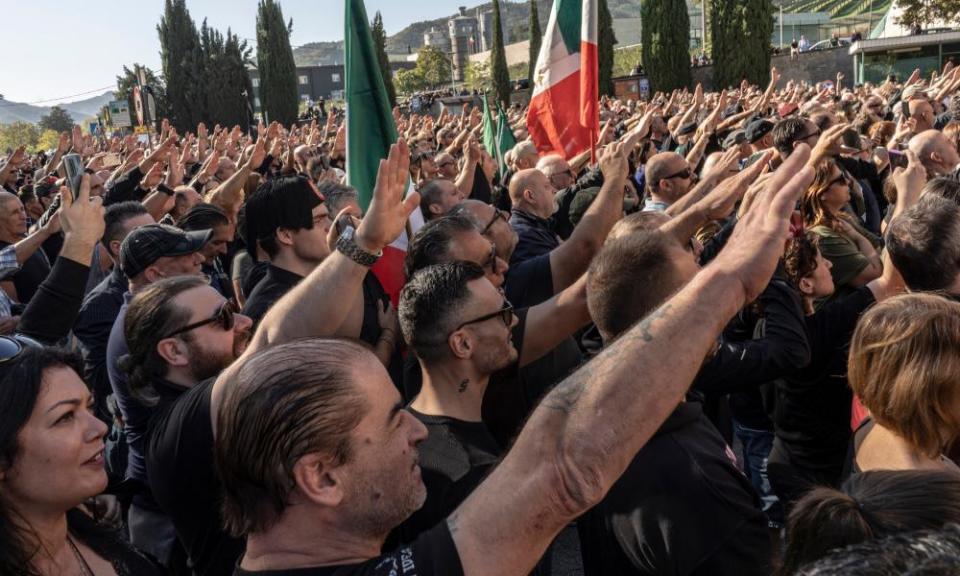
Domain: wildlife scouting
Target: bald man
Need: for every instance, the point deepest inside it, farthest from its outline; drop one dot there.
(936, 152)
(533, 199)
(669, 178)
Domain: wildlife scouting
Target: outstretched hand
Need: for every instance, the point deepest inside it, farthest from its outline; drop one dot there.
(756, 244)
(81, 218)
(388, 211)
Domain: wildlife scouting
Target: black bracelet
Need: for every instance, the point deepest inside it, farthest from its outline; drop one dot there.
(164, 189)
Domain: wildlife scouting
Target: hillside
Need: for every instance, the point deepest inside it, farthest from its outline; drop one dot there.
(11, 112)
(515, 18)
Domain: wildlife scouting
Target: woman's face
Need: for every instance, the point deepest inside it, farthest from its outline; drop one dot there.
(837, 193)
(60, 460)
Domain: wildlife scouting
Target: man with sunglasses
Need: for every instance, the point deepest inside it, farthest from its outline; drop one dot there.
(459, 327)
(669, 178)
(181, 333)
(148, 254)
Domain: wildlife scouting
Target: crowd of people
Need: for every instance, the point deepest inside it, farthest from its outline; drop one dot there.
(725, 342)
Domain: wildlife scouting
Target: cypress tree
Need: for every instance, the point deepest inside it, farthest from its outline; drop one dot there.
(278, 73)
(740, 38)
(757, 31)
(380, 42)
(499, 73)
(666, 43)
(536, 38)
(606, 40)
(180, 58)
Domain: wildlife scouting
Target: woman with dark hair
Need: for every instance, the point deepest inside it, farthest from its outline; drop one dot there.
(869, 506)
(51, 462)
(812, 406)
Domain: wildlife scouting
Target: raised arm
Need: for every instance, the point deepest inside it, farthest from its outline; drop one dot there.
(570, 260)
(330, 291)
(584, 433)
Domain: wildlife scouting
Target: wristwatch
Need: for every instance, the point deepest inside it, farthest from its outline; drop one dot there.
(164, 189)
(347, 246)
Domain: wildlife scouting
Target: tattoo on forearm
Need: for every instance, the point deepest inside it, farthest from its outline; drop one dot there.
(647, 323)
(567, 393)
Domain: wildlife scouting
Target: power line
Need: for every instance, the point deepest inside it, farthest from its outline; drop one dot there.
(35, 102)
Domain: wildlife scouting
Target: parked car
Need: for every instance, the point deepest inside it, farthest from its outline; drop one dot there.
(828, 44)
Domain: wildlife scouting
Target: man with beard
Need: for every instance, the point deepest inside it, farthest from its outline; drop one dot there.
(147, 255)
(446, 319)
(181, 333)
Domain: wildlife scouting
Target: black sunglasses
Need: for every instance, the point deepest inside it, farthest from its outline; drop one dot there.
(685, 173)
(809, 136)
(505, 314)
(225, 315)
(841, 178)
(11, 347)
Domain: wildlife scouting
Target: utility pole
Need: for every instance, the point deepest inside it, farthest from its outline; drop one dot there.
(781, 24)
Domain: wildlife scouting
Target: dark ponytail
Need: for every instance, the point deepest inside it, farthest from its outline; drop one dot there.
(870, 505)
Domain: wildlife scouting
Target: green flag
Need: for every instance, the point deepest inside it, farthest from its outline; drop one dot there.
(370, 126)
(505, 139)
(497, 136)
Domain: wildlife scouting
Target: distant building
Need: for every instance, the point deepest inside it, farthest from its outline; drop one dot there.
(485, 21)
(464, 40)
(439, 39)
(315, 82)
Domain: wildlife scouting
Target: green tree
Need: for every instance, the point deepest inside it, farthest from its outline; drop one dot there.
(606, 40)
(433, 66)
(380, 43)
(536, 38)
(410, 81)
(926, 12)
(180, 59)
(278, 73)
(48, 139)
(740, 33)
(19, 134)
(666, 43)
(126, 82)
(478, 76)
(57, 119)
(499, 73)
(225, 72)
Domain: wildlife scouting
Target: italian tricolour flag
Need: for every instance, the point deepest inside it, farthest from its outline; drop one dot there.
(563, 116)
(370, 132)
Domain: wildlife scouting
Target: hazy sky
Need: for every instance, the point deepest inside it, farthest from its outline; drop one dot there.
(51, 49)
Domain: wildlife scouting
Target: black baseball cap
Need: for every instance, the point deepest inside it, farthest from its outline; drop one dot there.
(758, 129)
(146, 244)
(735, 138)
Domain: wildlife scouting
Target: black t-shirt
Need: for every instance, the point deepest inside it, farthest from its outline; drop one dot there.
(530, 282)
(179, 457)
(812, 408)
(682, 507)
(454, 459)
(253, 276)
(31, 274)
(271, 288)
(432, 554)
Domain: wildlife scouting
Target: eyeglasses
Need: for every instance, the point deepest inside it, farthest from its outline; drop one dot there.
(497, 215)
(225, 315)
(491, 261)
(809, 136)
(505, 314)
(685, 173)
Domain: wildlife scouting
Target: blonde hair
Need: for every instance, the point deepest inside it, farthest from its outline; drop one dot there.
(904, 364)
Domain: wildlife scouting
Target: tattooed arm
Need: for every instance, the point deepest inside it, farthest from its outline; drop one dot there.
(584, 433)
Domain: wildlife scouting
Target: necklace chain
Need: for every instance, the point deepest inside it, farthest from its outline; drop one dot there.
(84, 567)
